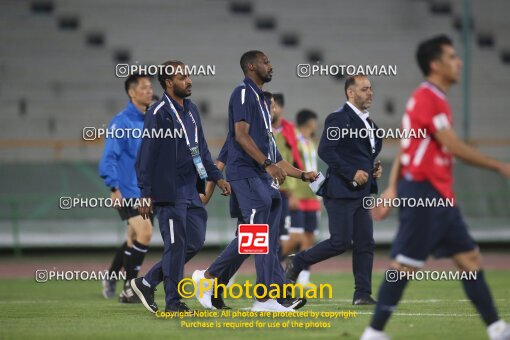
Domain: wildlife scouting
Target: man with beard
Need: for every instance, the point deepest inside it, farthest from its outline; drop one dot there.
(351, 176)
(171, 173)
(254, 170)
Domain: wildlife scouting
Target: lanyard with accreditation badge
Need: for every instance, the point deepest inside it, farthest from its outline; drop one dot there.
(269, 129)
(195, 152)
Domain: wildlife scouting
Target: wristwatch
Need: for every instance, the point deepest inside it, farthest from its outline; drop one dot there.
(303, 176)
(267, 163)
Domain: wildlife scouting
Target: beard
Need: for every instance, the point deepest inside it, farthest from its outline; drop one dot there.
(266, 78)
(363, 105)
(183, 93)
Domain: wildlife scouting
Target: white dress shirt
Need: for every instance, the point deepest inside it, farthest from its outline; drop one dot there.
(370, 128)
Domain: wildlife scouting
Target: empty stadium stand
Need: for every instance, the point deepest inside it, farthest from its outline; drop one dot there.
(57, 65)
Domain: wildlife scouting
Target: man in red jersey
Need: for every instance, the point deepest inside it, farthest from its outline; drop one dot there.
(423, 169)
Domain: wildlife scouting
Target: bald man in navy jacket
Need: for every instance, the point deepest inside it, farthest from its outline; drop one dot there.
(352, 175)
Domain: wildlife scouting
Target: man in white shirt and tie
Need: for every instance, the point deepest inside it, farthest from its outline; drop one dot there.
(351, 176)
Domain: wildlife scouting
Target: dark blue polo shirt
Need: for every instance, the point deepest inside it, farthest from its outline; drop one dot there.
(245, 106)
(223, 155)
(186, 183)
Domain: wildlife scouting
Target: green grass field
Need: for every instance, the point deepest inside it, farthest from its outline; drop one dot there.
(57, 309)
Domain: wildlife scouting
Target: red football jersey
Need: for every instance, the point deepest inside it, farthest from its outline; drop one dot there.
(423, 158)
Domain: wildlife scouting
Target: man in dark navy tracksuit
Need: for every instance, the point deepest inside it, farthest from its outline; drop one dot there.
(253, 164)
(351, 176)
(172, 172)
(227, 279)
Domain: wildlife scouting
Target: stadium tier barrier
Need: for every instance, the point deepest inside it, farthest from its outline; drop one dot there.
(30, 216)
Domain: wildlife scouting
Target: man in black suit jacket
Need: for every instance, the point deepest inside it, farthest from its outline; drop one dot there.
(349, 147)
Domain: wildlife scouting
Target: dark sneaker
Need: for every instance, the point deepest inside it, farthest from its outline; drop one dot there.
(364, 301)
(291, 272)
(294, 303)
(127, 295)
(145, 294)
(218, 302)
(181, 307)
(109, 288)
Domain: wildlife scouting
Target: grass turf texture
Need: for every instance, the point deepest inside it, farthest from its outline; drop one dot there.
(58, 309)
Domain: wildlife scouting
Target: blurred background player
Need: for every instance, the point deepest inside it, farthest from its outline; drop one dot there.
(305, 219)
(117, 168)
(286, 142)
(423, 168)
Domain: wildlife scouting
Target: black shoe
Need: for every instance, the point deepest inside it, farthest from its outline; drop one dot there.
(294, 303)
(145, 294)
(368, 300)
(291, 272)
(181, 307)
(218, 302)
(127, 295)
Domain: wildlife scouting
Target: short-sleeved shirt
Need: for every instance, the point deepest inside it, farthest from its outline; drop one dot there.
(223, 155)
(424, 158)
(247, 103)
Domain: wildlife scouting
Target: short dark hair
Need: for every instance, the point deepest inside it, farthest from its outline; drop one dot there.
(303, 116)
(351, 80)
(132, 80)
(268, 95)
(248, 58)
(163, 76)
(279, 99)
(429, 50)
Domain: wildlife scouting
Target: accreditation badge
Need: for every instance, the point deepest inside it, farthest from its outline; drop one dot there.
(197, 160)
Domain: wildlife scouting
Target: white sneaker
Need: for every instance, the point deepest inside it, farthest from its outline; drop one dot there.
(373, 334)
(499, 330)
(205, 300)
(270, 305)
(304, 278)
